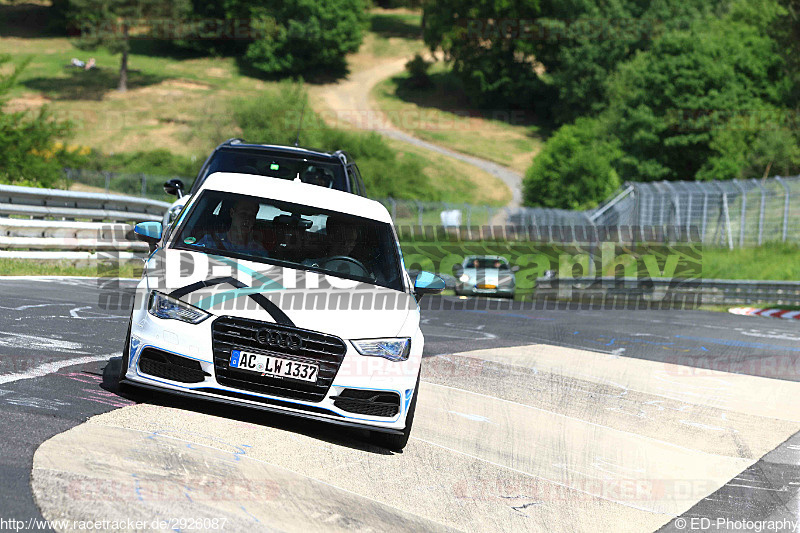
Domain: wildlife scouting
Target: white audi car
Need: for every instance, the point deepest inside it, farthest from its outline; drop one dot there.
(283, 296)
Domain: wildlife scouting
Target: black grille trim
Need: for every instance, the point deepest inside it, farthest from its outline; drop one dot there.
(268, 401)
(170, 366)
(368, 402)
(326, 351)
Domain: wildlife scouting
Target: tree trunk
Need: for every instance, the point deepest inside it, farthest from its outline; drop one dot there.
(123, 67)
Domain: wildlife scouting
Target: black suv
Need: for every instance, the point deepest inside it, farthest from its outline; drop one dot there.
(326, 169)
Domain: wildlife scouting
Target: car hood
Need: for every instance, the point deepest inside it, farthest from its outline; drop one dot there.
(308, 300)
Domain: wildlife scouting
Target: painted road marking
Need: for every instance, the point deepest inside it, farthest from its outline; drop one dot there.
(54, 366)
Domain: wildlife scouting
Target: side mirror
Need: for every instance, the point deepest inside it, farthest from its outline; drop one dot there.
(515, 268)
(427, 283)
(458, 269)
(174, 187)
(149, 232)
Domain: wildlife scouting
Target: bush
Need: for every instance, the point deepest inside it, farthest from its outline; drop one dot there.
(575, 169)
(418, 72)
(29, 154)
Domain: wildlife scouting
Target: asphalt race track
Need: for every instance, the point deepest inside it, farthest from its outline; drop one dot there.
(582, 420)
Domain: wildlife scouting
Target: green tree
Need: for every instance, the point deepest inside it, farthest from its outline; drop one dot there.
(666, 105)
(113, 23)
(553, 56)
(28, 153)
(493, 65)
(305, 37)
(575, 170)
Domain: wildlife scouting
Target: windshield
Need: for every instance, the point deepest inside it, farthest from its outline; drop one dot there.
(309, 238)
(484, 262)
(264, 163)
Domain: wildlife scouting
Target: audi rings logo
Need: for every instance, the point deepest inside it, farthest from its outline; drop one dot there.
(270, 337)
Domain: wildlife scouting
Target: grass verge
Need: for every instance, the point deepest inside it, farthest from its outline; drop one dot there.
(749, 263)
(441, 114)
(179, 106)
(29, 267)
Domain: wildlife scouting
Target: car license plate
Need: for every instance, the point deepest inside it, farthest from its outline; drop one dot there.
(273, 366)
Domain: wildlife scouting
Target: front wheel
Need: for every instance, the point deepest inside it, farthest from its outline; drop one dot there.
(126, 350)
(392, 441)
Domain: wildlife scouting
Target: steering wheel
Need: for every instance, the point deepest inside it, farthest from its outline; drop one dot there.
(349, 260)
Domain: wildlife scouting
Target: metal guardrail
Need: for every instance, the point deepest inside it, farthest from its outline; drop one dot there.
(71, 225)
(71, 205)
(694, 291)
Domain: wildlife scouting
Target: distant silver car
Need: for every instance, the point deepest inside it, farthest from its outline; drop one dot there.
(489, 275)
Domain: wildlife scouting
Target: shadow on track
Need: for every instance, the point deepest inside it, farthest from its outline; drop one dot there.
(332, 434)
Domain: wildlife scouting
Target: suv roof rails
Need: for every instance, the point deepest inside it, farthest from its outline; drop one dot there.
(342, 155)
(339, 154)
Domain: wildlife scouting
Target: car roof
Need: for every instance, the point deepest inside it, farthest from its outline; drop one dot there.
(297, 192)
(277, 149)
(489, 257)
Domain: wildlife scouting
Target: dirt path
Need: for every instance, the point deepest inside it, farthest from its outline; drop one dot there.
(349, 101)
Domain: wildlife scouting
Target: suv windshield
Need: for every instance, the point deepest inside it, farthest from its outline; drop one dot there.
(299, 236)
(264, 163)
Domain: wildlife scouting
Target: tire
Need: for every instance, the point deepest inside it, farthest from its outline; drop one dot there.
(392, 441)
(123, 367)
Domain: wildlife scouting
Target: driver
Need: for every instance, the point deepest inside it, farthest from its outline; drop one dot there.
(239, 237)
(317, 176)
(341, 239)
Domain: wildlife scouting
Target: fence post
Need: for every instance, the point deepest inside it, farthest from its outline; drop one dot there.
(144, 184)
(761, 210)
(785, 208)
(676, 204)
(689, 215)
(67, 178)
(727, 219)
(742, 217)
(705, 216)
(419, 212)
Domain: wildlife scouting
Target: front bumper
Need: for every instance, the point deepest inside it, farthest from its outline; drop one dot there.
(356, 372)
(467, 289)
(298, 413)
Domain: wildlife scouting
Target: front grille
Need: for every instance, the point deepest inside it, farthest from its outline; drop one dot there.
(170, 366)
(368, 402)
(233, 333)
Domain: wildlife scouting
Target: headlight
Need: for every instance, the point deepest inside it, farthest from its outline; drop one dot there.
(464, 278)
(164, 306)
(391, 349)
